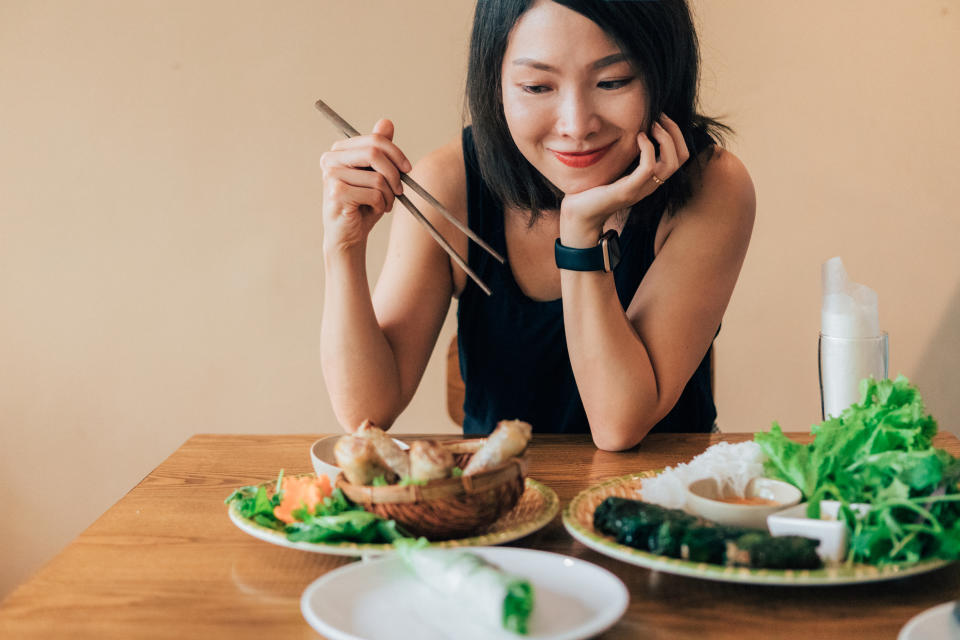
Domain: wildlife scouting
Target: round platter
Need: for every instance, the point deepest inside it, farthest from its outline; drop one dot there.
(536, 508)
(578, 520)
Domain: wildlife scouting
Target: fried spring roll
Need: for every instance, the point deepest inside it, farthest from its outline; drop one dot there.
(429, 460)
(508, 440)
(358, 460)
(395, 458)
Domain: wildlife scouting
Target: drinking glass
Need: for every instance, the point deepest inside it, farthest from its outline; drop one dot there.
(842, 363)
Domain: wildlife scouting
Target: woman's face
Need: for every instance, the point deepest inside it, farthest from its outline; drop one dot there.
(573, 103)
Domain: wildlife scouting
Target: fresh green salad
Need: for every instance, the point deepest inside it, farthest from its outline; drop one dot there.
(333, 519)
(878, 452)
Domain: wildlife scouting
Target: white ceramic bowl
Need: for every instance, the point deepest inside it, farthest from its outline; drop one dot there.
(321, 454)
(704, 499)
(831, 533)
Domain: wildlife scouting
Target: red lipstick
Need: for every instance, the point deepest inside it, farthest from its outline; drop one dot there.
(580, 159)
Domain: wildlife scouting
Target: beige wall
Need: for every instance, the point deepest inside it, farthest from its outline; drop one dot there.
(160, 268)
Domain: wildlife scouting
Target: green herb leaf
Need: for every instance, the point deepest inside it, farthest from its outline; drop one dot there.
(243, 493)
(335, 504)
(268, 521)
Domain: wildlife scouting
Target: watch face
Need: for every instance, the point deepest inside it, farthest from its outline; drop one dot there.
(614, 249)
(610, 247)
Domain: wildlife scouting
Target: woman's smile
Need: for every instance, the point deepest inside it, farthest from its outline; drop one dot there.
(581, 159)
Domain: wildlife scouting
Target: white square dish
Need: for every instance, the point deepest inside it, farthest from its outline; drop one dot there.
(831, 533)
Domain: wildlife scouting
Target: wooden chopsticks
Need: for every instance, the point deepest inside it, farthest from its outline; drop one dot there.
(350, 132)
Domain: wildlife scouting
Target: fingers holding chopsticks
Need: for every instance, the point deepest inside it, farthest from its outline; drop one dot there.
(372, 159)
(376, 151)
(361, 178)
(380, 137)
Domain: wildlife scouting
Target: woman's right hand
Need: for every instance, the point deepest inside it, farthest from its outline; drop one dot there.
(361, 177)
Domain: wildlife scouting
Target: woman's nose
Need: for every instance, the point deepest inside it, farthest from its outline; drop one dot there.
(576, 117)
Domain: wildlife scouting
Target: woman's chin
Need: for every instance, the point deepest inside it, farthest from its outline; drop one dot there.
(569, 182)
(570, 187)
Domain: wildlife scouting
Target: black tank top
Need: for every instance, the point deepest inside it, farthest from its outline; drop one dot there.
(513, 352)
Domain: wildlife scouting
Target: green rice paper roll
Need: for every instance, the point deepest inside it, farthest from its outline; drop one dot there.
(704, 544)
(666, 539)
(498, 598)
(631, 522)
(760, 550)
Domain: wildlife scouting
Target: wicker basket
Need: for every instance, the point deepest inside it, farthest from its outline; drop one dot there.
(447, 508)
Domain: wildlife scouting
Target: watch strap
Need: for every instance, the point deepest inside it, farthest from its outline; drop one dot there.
(603, 257)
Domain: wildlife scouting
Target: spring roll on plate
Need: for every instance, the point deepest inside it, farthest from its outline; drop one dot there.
(499, 599)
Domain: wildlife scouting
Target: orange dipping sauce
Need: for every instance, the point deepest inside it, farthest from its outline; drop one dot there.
(755, 502)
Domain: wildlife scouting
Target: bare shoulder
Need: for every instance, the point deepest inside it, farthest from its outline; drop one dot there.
(723, 200)
(442, 173)
(725, 190)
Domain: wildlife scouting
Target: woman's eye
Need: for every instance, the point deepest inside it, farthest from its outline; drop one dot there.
(610, 85)
(535, 88)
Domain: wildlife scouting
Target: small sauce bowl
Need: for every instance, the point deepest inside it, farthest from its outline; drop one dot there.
(708, 499)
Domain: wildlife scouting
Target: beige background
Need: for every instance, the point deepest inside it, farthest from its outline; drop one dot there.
(160, 268)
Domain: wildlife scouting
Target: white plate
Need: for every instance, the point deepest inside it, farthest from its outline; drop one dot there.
(936, 623)
(578, 520)
(382, 599)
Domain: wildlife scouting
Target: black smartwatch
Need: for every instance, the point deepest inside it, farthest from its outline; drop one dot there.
(603, 257)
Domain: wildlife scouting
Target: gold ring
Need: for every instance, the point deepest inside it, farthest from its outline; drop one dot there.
(657, 180)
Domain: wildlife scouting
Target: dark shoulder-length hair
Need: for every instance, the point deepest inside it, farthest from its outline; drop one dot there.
(659, 39)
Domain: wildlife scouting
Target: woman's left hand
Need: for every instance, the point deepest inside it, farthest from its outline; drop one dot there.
(582, 215)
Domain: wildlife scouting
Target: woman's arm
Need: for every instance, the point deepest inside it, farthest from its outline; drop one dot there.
(632, 366)
(375, 348)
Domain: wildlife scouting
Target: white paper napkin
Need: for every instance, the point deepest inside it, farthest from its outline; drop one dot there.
(849, 309)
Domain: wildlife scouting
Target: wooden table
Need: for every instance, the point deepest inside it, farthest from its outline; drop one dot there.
(166, 561)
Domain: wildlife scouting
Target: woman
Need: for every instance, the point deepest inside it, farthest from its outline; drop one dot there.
(570, 146)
